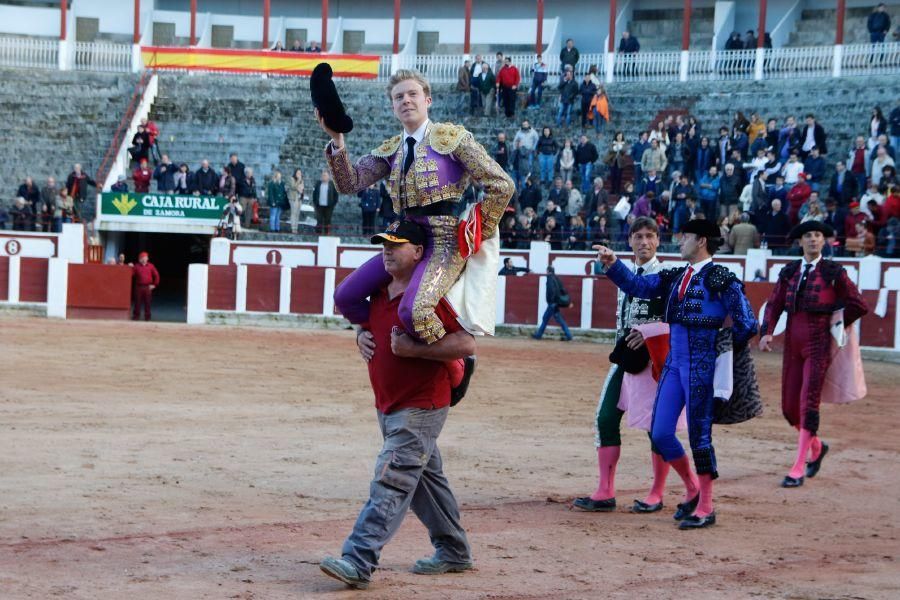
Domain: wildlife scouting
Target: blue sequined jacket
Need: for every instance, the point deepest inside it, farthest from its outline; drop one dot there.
(712, 294)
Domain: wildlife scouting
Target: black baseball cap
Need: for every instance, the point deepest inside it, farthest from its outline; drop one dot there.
(401, 232)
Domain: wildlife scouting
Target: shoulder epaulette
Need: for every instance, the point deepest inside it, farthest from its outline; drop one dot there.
(719, 278)
(387, 148)
(446, 137)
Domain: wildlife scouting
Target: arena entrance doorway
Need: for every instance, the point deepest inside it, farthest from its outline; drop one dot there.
(171, 253)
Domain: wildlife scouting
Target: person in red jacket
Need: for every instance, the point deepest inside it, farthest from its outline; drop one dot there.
(797, 197)
(850, 221)
(141, 177)
(507, 85)
(145, 278)
(152, 132)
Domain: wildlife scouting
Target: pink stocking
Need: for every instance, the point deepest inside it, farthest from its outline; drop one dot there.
(682, 466)
(607, 456)
(804, 442)
(705, 506)
(660, 472)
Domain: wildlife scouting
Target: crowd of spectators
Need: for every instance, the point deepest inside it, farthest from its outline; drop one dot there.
(46, 207)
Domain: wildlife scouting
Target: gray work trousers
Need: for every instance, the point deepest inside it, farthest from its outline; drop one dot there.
(408, 474)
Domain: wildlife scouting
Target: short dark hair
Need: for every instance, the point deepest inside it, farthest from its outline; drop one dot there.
(643, 223)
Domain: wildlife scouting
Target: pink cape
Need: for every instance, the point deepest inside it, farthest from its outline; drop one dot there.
(845, 380)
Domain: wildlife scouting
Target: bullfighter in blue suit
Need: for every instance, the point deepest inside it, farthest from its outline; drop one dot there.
(698, 297)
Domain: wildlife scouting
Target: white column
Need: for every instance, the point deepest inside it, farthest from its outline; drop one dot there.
(220, 251)
(395, 63)
(284, 295)
(756, 259)
(198, 292)
(328, 294)
(57, 288)
(63, 61)
(137, 61)
(760, 58)
(870, 273)
(15, 275)
(327, 256)
(587, 302)
(838, 58)
(610, 59)
(542, 298)
(683, 68)
(70, 243)
(539, 257)
(240, 301)
(501, 299)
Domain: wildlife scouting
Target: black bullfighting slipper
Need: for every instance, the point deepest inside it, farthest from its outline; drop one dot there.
(695, 522)
(642, 507)
(791, 482)
(686, 508)
(813, 466)
(459, 392)
(590, 505)
(326, 99)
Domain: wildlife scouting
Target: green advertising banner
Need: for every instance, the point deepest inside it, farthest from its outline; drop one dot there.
(118, 205)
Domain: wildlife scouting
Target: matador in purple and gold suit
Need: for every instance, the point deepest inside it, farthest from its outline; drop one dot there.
(446, 160)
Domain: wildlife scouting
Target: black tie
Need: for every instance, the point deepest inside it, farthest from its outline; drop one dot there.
(410, 153)
(801, 286)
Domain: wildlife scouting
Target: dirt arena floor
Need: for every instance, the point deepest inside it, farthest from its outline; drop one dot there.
(161, 461)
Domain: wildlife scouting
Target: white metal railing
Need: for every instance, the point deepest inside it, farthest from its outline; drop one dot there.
(384, 67)
(812, 61)
(721, 64)
(870, 59)
(37, 53)
(648, 66)
(102, 56)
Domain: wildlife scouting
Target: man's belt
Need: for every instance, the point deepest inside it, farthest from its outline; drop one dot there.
(438, 209)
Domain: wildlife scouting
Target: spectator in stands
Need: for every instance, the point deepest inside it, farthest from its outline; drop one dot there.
(314, 46)
(146, 279)
(475, 81)
(758, 201)
(888, 178)
(853, 217)
(792, 170)
(708, 192)
(643, 206)
(205, 181)
(325, 198)
(569, 55)
(882, 160)
(508, 81)
(772, 133)
(295, 189)
(141, 177)
(779, 190)
(725, 232)
(750, 41)
(77, 183)
(678, 155)
(567, 160)
(788, 139)
(576, 235)
(557, 197)
(888, 239)
(231, 218)
(598, 111)
(814, 167)
(797, 196)
(49, 193)
(723, 146)
(681, 193)
(164, 174)
(552, 232)
(235, 168)
(637, 153)
(882, 142)
(140, 145)
(528, 136)
(21, 215)
(597, 196)
(858, 162)
(568, 91)
(702, 157)
(277, 200)
(759, 163)
(539, 72)
(756, 129)
(120, 185)
(812, 210)
(278, 47)
(585, 156)
(878, 24)
(547, 149)
(628, 44)
(574, 200)
(862, 242)
(246, 192)
(743, 236)
(661, 135)
(152, 132)
(615, 161)
(730, 187)
(30, 192)
(740, 143)
(386, 212)
(734, 42)
(521, 163)
(530, 196)
(587, 90)
(296, 46)
(463, 86)
(369, 203)
(834, 215)
(654, 159)
(508, 234)
(227, 182)
(650, 183)
(501, 151)
(486, 88)
(894, 127)
(873, 193)
(184, 179)
(812, 136)
(65, 210)
(775, 227)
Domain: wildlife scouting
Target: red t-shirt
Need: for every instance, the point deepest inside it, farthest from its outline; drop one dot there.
(400, 382)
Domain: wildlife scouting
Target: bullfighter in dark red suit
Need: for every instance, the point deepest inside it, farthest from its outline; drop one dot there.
(810, 290)
(145, 278)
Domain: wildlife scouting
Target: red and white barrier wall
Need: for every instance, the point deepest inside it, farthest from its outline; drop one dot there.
(300, 278)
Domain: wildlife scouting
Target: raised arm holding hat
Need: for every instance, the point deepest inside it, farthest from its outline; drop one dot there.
(698, 297)
(810, 290)
(428, 167)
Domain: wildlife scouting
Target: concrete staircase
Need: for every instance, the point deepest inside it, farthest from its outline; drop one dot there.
(52, 120)
(660, 29)
(816, 27)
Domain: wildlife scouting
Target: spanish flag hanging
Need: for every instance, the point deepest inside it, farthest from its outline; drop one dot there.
(220, 60)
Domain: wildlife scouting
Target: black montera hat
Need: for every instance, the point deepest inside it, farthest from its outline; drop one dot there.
(807, 226)
(401, 232)
(325, 97)
(702, 228)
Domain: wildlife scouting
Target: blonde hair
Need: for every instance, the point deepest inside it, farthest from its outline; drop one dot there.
(407, 75)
